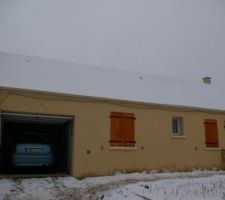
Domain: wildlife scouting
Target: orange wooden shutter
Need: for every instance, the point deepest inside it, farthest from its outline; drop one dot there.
(122, 129)
(211, 133)
(128, 130)
(116, 123)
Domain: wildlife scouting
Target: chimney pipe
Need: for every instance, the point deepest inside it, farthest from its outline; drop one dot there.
(207, 80)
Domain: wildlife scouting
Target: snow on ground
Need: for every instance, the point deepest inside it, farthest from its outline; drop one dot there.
(196, 185)
(207, 188)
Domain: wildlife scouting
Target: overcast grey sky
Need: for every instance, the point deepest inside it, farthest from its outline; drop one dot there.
(170, 37)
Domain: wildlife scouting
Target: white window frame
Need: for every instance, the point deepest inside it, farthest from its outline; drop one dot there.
(177, 126)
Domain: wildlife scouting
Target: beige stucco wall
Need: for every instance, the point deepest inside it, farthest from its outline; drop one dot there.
(155, 147)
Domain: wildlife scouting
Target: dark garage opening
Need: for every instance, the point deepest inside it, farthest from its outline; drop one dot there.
(56, 131)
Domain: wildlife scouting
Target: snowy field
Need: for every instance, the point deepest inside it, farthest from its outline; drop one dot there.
(196, 185)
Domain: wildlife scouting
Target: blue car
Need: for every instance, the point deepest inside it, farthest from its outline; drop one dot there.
(32, 155)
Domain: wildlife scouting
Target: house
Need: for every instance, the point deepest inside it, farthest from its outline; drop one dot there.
(103, 120)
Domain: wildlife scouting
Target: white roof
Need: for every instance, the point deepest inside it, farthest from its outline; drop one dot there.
(41, 74)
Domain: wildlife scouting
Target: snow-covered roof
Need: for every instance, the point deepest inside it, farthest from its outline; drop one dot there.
(41, 74)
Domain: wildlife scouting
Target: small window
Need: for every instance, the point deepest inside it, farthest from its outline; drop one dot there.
(177, 126)
(122, 129)
(211, 133)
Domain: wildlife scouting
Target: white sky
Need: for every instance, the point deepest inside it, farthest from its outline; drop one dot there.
(172, 37)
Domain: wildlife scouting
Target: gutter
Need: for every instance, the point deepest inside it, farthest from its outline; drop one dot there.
(83, 98)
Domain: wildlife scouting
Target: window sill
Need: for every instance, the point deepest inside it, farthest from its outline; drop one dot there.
(179, 137)
(213, 149)
(123, 148)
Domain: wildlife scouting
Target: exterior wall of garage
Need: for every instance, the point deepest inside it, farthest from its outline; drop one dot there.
(155, 146)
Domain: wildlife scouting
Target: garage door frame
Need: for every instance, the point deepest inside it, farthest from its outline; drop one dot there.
(45, 119)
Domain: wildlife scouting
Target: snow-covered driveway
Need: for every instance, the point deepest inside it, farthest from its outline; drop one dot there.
(196, 185)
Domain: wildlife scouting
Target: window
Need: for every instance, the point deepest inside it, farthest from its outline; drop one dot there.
(122, 129)
(211, 133)
(177, 126)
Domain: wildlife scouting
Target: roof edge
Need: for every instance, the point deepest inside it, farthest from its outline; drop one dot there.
(128, 103)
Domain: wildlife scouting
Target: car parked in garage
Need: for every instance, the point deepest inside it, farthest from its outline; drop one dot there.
(32, 155)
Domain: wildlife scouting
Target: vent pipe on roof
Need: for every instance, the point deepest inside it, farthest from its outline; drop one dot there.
(207, 80)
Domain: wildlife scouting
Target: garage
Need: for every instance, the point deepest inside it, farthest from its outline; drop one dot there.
(36, 135)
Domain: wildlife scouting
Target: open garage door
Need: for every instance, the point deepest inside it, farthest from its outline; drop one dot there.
(0, 129)
(44, 141)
